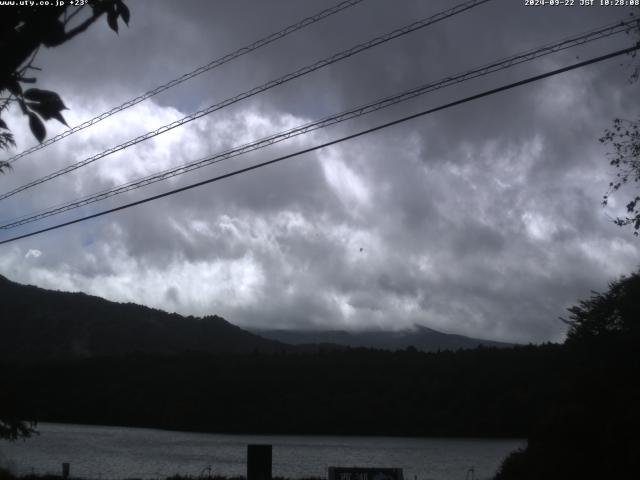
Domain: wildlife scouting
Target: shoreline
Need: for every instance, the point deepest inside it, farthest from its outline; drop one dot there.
(352, 436)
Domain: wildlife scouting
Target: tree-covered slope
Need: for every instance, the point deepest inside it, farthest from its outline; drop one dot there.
(484, 392)
(37, 324)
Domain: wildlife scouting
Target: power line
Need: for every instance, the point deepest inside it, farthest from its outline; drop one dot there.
(332, 142)
(529, 55)
(256, 90)
(187, 76)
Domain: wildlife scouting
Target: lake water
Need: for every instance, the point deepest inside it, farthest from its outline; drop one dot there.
(98, 452)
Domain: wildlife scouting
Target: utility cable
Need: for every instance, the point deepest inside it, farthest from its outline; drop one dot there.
(332, 142)
(256, 90)
(529, 55)
(187, 76)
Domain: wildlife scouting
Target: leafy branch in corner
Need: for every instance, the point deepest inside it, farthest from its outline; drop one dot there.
(625, 140)
(23, 30)
(624, 137)
(6, 138)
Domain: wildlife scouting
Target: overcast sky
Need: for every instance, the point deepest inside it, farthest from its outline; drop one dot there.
(483, 220)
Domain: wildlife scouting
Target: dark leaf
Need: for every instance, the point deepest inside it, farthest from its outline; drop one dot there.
(6, 140)
(45, 96)
(3, 124)
(47, 112)
(112, 20)
(58, 116)
(37, 127)
(123, 10)
(46, 103)
(4, 165)
(53, 33)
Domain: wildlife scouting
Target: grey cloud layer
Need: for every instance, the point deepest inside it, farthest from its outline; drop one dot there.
(482, 220)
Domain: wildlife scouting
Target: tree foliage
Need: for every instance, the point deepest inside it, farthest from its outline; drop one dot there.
(614, 313)
(591, 431)
(624, 137)
(484, 392)
(13, 429)
(23, 31)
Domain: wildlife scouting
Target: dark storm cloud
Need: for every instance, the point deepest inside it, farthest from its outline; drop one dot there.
(482, 220)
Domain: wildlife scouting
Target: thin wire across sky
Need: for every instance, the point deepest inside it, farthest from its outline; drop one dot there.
(194, 73)
(508, 62)
(600, 33)
(333, 142)
(374, 42)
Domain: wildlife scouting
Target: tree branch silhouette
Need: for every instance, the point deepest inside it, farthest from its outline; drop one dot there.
(23, 30)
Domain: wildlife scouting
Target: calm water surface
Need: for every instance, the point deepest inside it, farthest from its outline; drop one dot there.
(114, 453)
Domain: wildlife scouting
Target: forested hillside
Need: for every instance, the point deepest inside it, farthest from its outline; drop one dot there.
(38, 324)
(483, 392)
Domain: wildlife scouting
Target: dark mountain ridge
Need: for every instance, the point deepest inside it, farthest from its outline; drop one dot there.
(420, 337)
(36, 324)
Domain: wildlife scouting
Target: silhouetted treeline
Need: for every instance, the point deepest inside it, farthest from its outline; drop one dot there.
(577, 403)
(482, 392)
(592, 430)
(420, 337)
(38, 324)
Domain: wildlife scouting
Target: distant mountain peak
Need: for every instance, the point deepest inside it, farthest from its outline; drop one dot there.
(420, 337)
(423, 328)
(39, 323)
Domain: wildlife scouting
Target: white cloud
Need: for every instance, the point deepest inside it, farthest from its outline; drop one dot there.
(33, 253)
(346, 183)
(482, 220)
